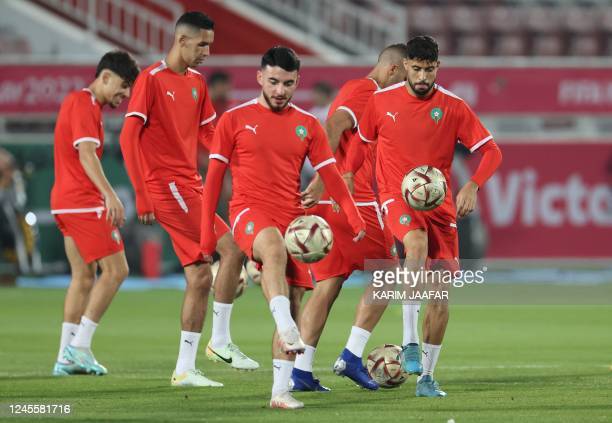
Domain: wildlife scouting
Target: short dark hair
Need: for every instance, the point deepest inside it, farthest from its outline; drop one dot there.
(120, 62)
(197, 20)
(423, 47)
(281, 56)
(218, 76)
(399, 48)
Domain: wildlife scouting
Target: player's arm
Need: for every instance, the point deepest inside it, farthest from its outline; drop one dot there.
(338, 122)
(355, 157)
(489, 162)
(93, 168)
(207, 118)
(339, 192)
(139, 109)
(205, 135)
(321, 157)
(220, 152)
(212, 191)
(129, 139)
(475, 136)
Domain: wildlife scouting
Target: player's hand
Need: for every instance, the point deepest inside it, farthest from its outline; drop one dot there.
(147, 218)
(359, 236)
(115, 213)
(466, 199)
(207, 258)
(208, 244)
(312, 194)
(348, 179)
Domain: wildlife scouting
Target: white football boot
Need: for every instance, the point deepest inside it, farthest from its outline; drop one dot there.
(193, 377)
(286, 401)
(231, 354)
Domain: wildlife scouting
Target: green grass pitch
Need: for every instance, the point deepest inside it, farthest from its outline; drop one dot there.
(498, 364)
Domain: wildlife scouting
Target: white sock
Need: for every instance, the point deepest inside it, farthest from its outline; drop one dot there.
(304, 361)
(69, 331)
(85, 333)
(429, 358)
(357, 340)
(282, 373)
(188, 350)
(410, 313)
(281, 311)
(221, 325)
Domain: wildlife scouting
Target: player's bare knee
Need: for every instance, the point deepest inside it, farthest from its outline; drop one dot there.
(199, 278)
(415, 245)
(121, 272)
(274, 253)
(83, 280)
(228, 250)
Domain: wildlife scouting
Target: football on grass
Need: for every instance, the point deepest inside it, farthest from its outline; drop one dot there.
(385, 366)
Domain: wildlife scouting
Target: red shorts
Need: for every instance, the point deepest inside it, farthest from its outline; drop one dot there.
(178, 209)
(347, 256)
(442, 239)
(94, 236)
(247, 222)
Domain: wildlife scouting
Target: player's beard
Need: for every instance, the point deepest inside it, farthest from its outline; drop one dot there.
(420, 92)
(118, 99)
(273, 107)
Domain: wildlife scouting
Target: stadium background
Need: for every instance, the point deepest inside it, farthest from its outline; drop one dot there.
(539, 74)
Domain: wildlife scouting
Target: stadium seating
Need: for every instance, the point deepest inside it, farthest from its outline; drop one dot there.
(513, 28)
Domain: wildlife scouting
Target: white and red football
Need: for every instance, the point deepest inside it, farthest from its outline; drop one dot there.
(309, 238)
(385, 366)
(424, 188)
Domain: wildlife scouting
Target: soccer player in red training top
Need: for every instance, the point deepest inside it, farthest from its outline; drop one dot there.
(88, 211)
(169, 113)
(346, 256)
(413, 124)
(265, 142)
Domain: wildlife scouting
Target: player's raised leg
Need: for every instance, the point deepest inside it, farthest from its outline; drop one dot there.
(269, 249)
(195, 303)
(312, 321)
(221, 348)
(83, 276)
(283, 362)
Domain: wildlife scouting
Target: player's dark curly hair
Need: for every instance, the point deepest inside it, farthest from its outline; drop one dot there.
(120, 62)
(281, 56)
(197, 20)
(423, 47)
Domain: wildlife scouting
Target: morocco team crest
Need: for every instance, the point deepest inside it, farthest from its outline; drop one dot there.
(436, 114)
(116, 236)
(250, 227)
(194, 94)
(301, 132)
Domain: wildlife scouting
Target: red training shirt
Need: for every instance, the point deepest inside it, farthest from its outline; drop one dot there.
(79, 120)
(173, 107)
(411, 132)
(265, 151)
